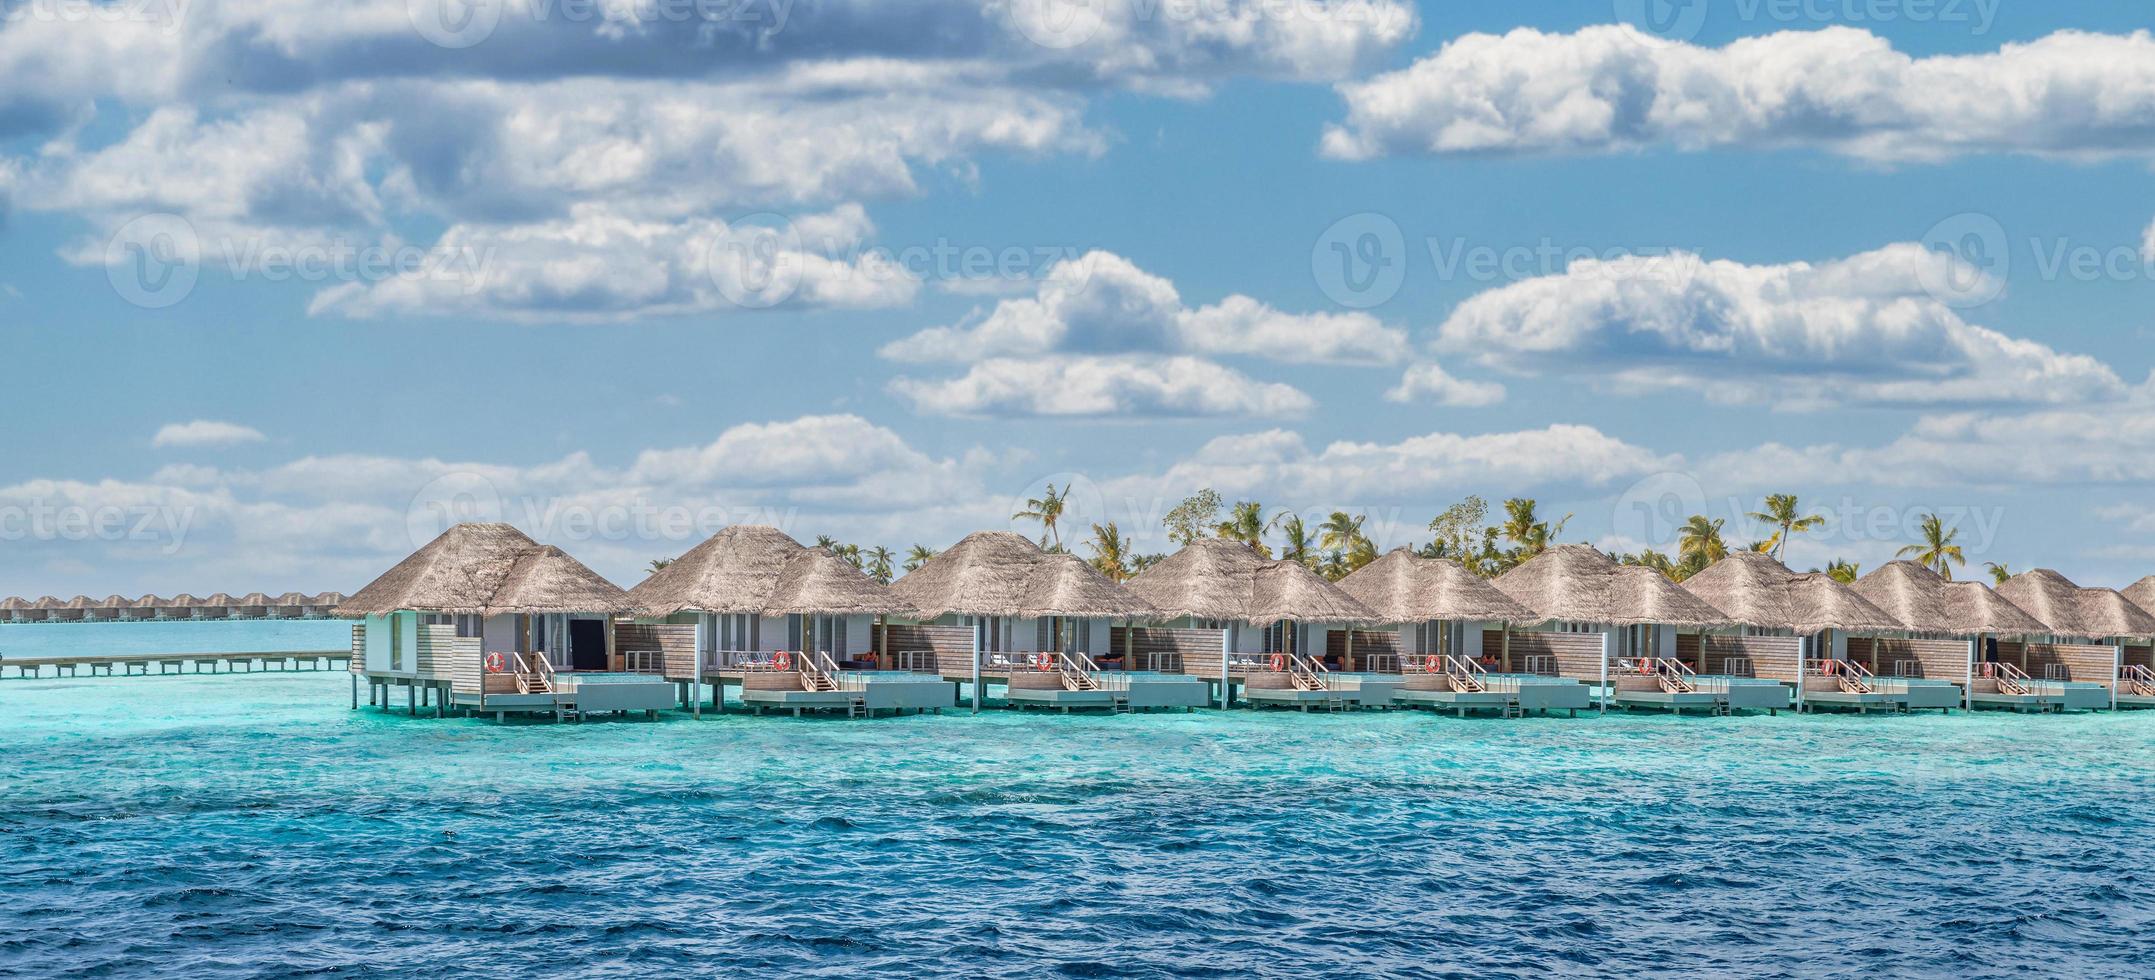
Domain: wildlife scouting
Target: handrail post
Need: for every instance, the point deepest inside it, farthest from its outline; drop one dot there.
(1604, 672)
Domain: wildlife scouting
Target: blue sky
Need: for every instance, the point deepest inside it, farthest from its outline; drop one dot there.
(1168, 177)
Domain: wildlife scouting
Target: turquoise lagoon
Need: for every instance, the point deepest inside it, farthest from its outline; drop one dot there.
(254, 825)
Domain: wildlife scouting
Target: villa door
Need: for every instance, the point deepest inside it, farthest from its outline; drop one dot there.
(587, 645)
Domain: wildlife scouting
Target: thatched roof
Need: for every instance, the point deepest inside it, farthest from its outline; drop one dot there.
(13, 603)
(256, 599)
(1577, 583)
(2069, 610)
(220, 599)
(114, 602)
(184, 600)
(291, 599)
(80, 602)
(1756, 590)
(1403, 587)
(49, 602)
(2142, 594)
(327, 599)
(487, 569)
(150, 602)
(1211, 578)
(1000, 573)
(1925, 602)
(761, 570)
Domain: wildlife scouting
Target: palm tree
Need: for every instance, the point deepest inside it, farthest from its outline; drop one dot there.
(1998, 572)
(1334, 565)
(1699, 542)
(1300, 546)
(850, 552)
(917, 556)
(1842, 571)
(879, 564)
(1246, 523)
(659, 564)
(1110, 551)
(1656, 561)
(1047, 509)
(827, 543)
(1340, 532)
(1528, 533)
(1782, 512)
(1196, 514)
(1937, 551)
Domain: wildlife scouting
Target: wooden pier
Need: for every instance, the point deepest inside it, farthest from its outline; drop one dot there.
(143, 664)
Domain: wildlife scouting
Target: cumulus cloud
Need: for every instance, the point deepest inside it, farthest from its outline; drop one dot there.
(598, 265)
(204, 432)
(334, 521)
(1281, 465)
(2051, 447)
(1102, 386)
(1102, 303)
(1429, 382)
(1875, 328)
(2072, 94)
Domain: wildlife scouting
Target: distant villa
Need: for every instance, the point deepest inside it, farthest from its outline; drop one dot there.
(115, 608)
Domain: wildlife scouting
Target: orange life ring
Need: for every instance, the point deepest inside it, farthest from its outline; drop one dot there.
(1433, 664)
(781, 660)
(1279, 661)
(495, 662)
(1043, 661)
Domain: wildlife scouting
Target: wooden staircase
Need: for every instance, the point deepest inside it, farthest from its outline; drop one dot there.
(2011, 679)
(2137, 681)
(1308, 675)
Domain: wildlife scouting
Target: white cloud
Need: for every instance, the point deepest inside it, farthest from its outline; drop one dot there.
(598, 265)
(1861, 330)
(1102, 303)
(2147, 242)
(204, 432)
(1429, 381)
(1101, 386)
(2057, 447)
(1278, 465)
(1611, 88)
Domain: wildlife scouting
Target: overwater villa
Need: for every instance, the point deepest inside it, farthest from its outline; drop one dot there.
(1944, 624)
(142, 609)
(791, 627)
(2079, 664)
(2136, 675)
(1623, 629)
(996, 609)
(485, 619)
(1796, 629)
(16, 609)
(1271, 619)
(1433, 615)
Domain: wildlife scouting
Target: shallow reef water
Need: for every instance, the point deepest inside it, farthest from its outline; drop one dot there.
(255, 825)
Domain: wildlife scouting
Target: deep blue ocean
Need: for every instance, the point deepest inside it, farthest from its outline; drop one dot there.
(254, 825)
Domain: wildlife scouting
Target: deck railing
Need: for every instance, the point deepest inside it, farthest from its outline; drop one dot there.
(1270, 662)
(1081, 673)
(1541, 665)
(1850, 676)
(751, 661)
(1384, 663)
(1308, 673)
(643, 661)
(1673, 676)
(2138, 681)
(1163, 662)
(2011, 679)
